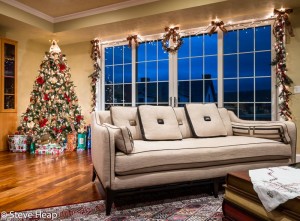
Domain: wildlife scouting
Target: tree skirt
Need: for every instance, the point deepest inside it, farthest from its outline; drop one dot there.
(192, 208)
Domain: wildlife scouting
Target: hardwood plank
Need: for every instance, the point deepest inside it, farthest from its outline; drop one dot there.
(37, 181)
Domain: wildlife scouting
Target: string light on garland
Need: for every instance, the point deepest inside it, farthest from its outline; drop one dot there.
(215, 25)
(171, 41)
(284, 81)
(133, 38)
(95, 76)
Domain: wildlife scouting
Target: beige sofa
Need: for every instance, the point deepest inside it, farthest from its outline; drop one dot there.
(159, 158)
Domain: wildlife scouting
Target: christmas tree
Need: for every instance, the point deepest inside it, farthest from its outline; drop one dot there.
(53, 110)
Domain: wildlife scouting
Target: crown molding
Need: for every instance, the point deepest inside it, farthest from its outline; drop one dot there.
(113, 7)
(29, 10)
(103, 9)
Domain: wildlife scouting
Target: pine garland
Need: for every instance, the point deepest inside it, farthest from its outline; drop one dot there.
(95, 76)
(283, 80)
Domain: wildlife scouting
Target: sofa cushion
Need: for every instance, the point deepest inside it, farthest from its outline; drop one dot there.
(226, 120)
(274, 131)
(153, 156)
(205, 120)
(158, 123)
(127, 116)
(183, 123)
(123, 138)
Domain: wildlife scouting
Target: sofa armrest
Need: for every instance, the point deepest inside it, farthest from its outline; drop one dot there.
(288, 129)
(103, 151)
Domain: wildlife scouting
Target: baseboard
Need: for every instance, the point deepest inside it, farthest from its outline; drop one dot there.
(298, 158)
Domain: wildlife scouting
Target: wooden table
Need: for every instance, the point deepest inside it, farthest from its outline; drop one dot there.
(242, 203)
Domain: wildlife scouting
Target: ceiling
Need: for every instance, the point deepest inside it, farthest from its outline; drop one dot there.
(72, 21)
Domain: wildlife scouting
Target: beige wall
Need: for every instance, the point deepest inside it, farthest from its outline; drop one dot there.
(293, 65)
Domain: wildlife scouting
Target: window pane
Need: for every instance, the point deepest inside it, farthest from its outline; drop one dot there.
(140, 54)
(108, 74)
(163, 70)
(197, 68)
(197, 45)
(211, 66)
(246, 90)
(211, 44)
(263, 64)
(140, 92)
(127, 73)
(118, 55)
(118, 74)
(151, 50)
(127, 54)
(263, 89)
(127, 93)
(246, 40)
(246, 65)
(230, 42)
(263, 111)
(211, 91)
(140, 70)
(163, 91)
(183, 69)
(118, 93)
(184, 49)
(263, 39)
(151, 92)
(246, 111)
(151, 71)
(109, 56)
(108, 93)
(162, 54)
(232, 107)
(197, 91)
(183, 91)
(230, 66)
(230, 90)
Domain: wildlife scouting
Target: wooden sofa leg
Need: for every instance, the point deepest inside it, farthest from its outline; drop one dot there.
(109, 200)
(216, 187)
(94, 174)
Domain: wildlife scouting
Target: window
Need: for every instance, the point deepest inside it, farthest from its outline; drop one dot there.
(247, 72)
(198, 69)
(152, 74)
(118, 76)
(149, 75)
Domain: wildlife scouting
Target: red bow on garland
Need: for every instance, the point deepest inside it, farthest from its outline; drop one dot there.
(284, 14)
(217, 24)
(134, 38)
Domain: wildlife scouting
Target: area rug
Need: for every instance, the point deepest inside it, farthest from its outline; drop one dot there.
(191, 208)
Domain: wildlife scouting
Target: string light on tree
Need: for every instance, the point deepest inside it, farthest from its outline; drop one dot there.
(95, 76)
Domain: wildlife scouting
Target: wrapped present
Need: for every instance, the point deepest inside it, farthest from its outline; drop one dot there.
(49, 149)
(18, 143)
(71, 141)
(81, 138)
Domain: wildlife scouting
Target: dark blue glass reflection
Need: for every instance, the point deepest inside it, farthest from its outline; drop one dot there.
(127, 54)
(118, 93)
(152, 92)
(127, 73)
(263, 111)
(263, 63)
(211, 91)
(197, 91)
(140, 71)
(211, 67)
(183, 69)
(108, 93)
(151, 50)
(263, 38)
(118, 74)
(118, 55)
(183, 91)
(246, 90)
(197, 45)
(263, 89)
(163, 91)
(246, 40)
(230, 66)
(163, 70)
(140, 92)
(151, 71)
(162, 54)
(108, 74)
(183, 51)
(246, 111)
(127, 93)
(109, 56)
(211, 44)
(197, 68)
(230, 42)
(140, 52)
(230, 90)
(246, 65)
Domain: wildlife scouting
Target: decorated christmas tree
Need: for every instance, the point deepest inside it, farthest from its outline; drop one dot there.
(53, 110)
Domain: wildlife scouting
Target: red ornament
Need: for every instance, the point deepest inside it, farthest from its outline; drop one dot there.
(46, 97)
(62, 67)
(40, 80)
(67, 98)
(79, 118)
(26, 118)
(43, 122)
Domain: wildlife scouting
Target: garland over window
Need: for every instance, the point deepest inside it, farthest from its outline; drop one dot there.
(280, 26)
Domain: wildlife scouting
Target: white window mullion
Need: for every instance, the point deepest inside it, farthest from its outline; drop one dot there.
(220, 70)
(133, 76)
(101, 84)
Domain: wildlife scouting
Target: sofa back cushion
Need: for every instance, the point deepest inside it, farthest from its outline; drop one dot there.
(123, 138)
(183, 122)
(226, 120)
(158, 123)
(205, 120)
(127, 116)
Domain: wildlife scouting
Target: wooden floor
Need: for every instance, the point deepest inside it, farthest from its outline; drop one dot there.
(37, 181)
